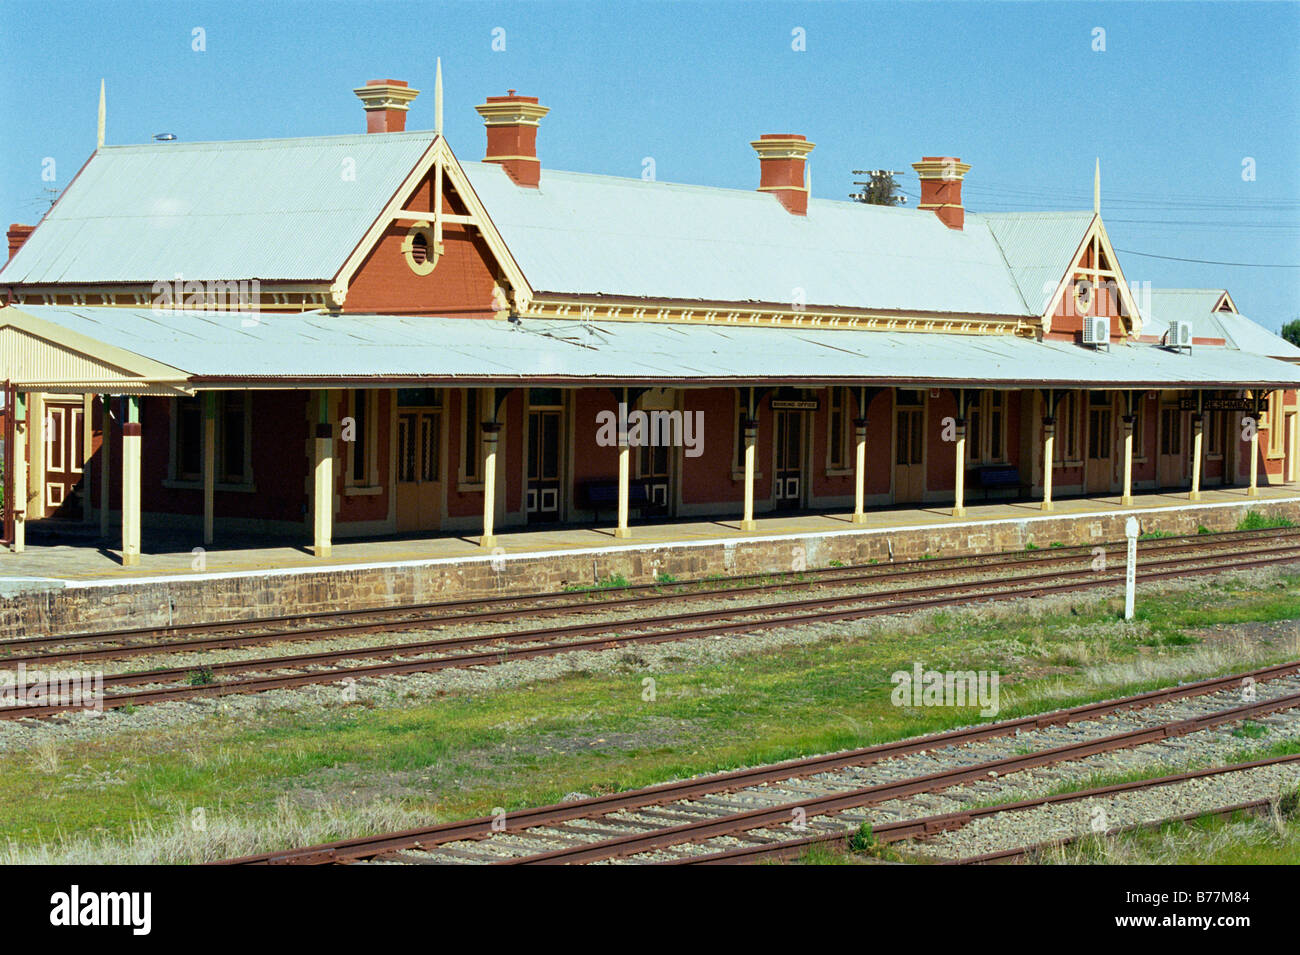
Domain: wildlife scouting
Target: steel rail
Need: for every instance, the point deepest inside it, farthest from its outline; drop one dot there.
(460, 661)
(1020, 852)
(926, 826)
(825, 576)
(966, 591)
(717, 783)
(692, 832)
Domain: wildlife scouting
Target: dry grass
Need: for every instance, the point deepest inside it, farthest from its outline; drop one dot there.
(187, 839)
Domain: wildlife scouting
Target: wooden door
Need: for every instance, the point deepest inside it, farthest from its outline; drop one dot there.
(654, 464)
(909, 447)
(1171, 463)
(64, 449)
(789, 485)
(1100, 464)
(542, 497)
(419, 469)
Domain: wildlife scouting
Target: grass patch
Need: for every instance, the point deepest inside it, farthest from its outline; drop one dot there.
(289, 777)
(1255, 521)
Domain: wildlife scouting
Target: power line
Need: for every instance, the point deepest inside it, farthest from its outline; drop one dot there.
(1243, 265)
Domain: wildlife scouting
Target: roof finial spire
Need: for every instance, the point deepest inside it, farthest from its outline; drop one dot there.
(437, 99)
(1096, 188)
(99, 139)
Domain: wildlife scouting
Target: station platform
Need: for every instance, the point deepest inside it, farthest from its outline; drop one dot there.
(66, 585)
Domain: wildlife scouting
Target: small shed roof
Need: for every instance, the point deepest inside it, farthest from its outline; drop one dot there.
(1197, 306)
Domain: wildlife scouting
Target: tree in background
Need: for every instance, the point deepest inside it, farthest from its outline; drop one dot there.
(1291, 331)
(879, 189)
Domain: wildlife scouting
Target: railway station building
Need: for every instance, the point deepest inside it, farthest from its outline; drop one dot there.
(364, 336)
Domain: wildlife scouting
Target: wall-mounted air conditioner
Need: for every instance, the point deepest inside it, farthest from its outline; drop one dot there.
(1179, 336)
(1096, 331)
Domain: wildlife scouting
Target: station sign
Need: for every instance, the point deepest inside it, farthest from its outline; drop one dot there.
(1218, 404)
(809, 404)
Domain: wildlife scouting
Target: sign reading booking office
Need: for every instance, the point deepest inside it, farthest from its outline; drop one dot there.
(653, 429)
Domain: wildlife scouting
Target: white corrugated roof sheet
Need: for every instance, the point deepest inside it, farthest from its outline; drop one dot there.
(1196, 305)
(316, 346)
(261, 209)
(603, 235)
(1039, 248)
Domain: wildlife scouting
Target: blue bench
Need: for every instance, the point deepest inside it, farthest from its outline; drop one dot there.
(998, 476)
(598, 494)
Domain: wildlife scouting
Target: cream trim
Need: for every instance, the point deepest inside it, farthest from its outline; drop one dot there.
(1097, 231)
(124, 371)
(725, 314)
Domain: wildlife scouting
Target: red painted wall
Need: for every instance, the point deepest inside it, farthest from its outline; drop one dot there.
(461, 283)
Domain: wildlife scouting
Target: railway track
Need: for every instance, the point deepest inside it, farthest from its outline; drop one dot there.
(177, 683)
(908, 830)
(231, 633)
(750, 802)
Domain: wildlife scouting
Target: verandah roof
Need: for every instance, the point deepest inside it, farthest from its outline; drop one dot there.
(313, 349)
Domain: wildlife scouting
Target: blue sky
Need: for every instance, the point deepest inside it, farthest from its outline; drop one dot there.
(1179, 98)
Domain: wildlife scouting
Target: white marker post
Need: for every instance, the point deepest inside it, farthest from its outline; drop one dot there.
(1130, 576)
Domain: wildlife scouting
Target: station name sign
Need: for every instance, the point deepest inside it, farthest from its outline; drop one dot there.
(781, 404)
(1218, 404)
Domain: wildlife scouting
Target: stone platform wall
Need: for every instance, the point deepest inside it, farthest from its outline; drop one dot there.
(180, 599)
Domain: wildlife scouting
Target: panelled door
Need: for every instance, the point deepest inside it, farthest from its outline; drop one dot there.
(1100, 464)
(909, 446)
(789, 484)
(419, 468)
(1171, 464)
(653, 468)
(542, 496)
(65, 446)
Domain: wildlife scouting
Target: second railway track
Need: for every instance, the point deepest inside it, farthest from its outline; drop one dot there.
(488, 649)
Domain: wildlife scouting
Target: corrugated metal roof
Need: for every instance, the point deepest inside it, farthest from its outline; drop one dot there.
(318, 346)
(1039, 248)
(603, 235)
(260, 209)
(1196, 305)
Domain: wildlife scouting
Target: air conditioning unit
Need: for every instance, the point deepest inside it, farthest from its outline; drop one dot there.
(1179, 335)
(1096, 331)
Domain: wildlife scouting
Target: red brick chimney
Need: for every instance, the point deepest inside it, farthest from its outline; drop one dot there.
(781, 158)
(386, 103)
(511, 122)
(17, 235)
(941, 188)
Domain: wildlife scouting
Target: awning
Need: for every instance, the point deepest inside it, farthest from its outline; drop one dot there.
(162, 350)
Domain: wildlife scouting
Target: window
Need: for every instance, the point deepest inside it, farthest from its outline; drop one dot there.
(188, 464)
(738, 433)
(1213, 430)
(1139, 427)
(471, 458)
(837, 439)
(232, 439)
(986, 429)
(361, 453)
(1171, 431)
(419, 398)
(1066, 450)
(1276, 422)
